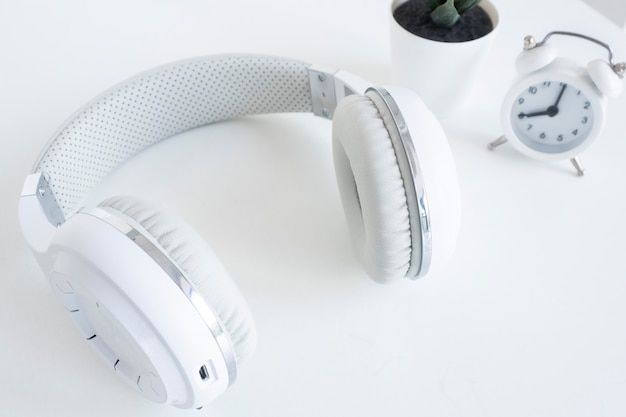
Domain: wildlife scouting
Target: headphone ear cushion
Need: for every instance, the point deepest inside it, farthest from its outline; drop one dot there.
(603, 76)
(533, 59)
(197, 261)
(371, 188)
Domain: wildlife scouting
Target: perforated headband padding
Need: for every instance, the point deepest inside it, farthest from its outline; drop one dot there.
(161, 103)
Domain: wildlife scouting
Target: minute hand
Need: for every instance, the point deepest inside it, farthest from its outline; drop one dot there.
(558, 99)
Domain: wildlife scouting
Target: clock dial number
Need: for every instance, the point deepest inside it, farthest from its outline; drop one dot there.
(562, 116)
(552, 110)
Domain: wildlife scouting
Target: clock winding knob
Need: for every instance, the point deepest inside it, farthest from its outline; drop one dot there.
(620, 69)
(529, 42)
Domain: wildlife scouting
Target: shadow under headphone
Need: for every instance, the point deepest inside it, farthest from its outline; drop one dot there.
(144, 289)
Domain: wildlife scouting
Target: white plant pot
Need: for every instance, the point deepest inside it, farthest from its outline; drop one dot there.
(442, 73)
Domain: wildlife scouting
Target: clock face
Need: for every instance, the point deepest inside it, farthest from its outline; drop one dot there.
(552, 116)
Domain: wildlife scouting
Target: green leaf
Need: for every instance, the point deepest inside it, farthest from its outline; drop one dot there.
(432, 4)
(446, 14)
(464, 5)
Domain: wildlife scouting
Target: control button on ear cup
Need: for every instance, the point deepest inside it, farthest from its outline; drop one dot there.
(532, 59)
(372, 189)
(195, 259)
(603, 76)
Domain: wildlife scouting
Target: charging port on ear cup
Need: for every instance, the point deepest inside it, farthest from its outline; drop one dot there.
(207, 372)
(204, 373)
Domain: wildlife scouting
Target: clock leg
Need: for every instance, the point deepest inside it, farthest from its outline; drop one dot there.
(493, 145)
(579, 167)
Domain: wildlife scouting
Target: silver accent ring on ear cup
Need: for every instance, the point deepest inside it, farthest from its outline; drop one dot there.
(417, 201)
(206, 313)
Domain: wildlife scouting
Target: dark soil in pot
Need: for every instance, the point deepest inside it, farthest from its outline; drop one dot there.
(414, 16)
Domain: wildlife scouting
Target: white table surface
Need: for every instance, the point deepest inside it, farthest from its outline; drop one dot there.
(529, 319)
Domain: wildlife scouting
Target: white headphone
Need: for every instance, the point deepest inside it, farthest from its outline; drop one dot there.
(606, 75)
(144, 288)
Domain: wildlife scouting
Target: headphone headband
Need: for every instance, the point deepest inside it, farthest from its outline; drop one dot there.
(161, 103)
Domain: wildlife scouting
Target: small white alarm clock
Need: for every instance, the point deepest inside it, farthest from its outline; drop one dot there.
(557, 108)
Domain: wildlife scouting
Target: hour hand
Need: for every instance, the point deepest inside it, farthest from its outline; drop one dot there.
(534, 114)
(550, 111)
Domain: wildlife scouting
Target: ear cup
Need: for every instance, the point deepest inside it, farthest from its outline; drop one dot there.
(603, 76)
(372, 190)
(200, 265)
(535, 58)
(439, 173)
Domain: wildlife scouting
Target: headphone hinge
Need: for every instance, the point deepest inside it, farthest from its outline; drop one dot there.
(39, 213)
(323, 92)
(40, 187)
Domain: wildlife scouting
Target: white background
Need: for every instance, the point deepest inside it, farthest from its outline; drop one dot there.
(614, 10)
(528, 319)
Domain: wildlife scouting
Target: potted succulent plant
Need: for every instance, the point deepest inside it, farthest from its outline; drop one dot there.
(438, 48)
